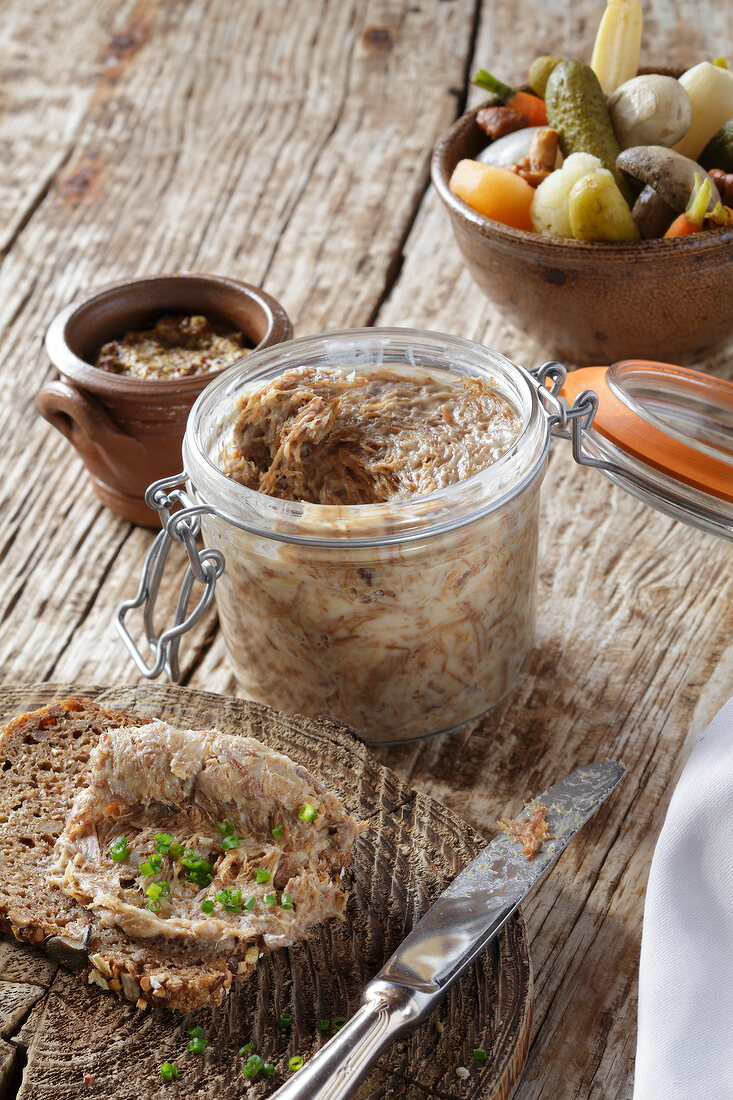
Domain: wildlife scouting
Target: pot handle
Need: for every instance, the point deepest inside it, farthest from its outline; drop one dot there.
(205, 566)
(80, 418)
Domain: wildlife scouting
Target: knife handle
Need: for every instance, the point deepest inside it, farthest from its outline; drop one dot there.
(341, 1065)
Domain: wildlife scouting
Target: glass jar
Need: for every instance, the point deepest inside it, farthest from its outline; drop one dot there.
(410, 618)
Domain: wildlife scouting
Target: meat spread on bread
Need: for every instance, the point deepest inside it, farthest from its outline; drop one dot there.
(76, 778)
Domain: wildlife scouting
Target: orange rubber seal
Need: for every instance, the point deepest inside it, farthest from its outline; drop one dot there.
(641, 440)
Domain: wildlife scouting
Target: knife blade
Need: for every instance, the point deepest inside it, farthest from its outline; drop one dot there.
(444, 943)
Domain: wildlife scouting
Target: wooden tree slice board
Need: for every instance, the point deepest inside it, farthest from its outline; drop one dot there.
(55, 1029)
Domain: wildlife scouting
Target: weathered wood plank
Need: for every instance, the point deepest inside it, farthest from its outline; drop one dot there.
(197, 152)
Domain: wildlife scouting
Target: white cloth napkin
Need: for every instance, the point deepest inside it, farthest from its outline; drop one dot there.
(685, 1038)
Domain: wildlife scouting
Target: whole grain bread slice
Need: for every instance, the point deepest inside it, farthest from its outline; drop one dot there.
(43, 757)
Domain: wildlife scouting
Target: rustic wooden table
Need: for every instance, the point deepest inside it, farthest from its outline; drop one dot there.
(287, 143)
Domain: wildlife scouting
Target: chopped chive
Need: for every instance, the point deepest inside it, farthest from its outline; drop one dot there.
(270, 899)
(308, 812)
(231, 842)
(118, 849)
(286, 901)
(278, 830)
(196, 1046)
(163, 843)
(176, 850)
(231, 899)
(195, 868)
(324, 1025)
(154, 906)
(284, 1019)
(249, 1048)
(207, 906)
(252, 1066)
(152, 865)
(168, 1071)
(295, 1063)
(154, 890)
(268, 1069)
(338, 1022)
(262, 874)
(197, 1033)
(225, 827)
(479, 1054)
(250, 902)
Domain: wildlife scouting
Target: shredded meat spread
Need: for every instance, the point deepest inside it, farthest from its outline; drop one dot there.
(240, 860)
(174, 348)
(531, 831)
(328, 436)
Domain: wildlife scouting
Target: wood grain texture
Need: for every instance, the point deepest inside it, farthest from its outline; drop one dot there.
(288, 144)
(413, 848)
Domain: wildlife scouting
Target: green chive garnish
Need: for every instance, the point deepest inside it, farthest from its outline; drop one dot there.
(197, 1033)
(152, 865)
(284, 1019)
(324, 1025)
(252, 1066)
(231, 842)
(479, 1054)
(168, 1071)
(308, 812)
(196, 1046)
(225, 827)
(118, 849)
(176, 850)
(163, 843)
(231, 899)
(250, 902)
(262, 874)
(207, 905)
(268, 1069)
(278, 830)
(338, 1022)
(248, 1049)
(195, 868)
(296, 1062)
(286, 902)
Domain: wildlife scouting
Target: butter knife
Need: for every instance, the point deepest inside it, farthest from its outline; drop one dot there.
(444, 943)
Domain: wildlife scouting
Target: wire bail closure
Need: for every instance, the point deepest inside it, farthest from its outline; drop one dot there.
(204, 567)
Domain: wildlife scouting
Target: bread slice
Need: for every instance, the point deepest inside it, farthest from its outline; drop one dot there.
(43, 757)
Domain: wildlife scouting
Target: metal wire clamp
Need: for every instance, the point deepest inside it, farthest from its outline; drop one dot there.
(204, 567)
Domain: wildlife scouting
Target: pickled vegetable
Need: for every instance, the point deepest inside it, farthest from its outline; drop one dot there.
(616, 50)
(550, 207)
(650, 110)
(494, 192)
(577, 108)
(598, 211)
(710, 89)
(718, 153)
(539, 73)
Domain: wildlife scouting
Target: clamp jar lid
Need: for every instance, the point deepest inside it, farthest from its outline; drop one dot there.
(665, 434)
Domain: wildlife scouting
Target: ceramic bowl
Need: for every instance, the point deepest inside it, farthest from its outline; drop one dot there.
(592, 303)
(128, 430)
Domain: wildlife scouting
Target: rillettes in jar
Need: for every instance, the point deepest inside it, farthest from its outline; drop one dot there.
(402, 619)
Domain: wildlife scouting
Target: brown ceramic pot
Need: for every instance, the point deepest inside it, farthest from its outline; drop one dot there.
(129, 431)
(667, 300)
